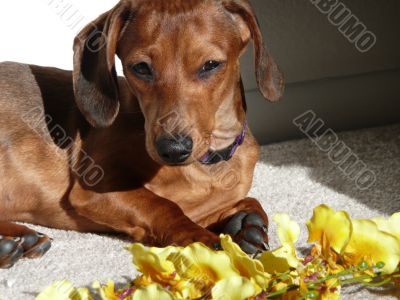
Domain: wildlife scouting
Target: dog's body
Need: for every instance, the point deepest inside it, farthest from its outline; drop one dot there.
(86, 151)
(41, 173)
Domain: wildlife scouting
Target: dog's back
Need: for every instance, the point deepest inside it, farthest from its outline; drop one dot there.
(27, 151)
(26, 90)
(20, 93)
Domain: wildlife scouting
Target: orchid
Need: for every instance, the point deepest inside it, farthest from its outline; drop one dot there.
(355, 240)
(64, 290)
(284, 257)
(247, 267)
(343, 251)
(390, 225)
(368, 243)
(331, 229)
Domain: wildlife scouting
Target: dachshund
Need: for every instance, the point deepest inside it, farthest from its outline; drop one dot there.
(163, 154)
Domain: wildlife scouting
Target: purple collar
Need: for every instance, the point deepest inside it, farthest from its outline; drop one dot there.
(213, 157)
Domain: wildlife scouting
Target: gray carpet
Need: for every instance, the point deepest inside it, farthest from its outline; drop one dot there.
(291, 177)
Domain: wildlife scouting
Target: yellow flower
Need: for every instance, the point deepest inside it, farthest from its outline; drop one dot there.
(195, 271)
(202, 266)
(250, 268)
(288, 230)
(233, 288)
(64, 290)
(292, 295)
(152, 292)
(329, 229)
(391, 225)
(107, 292)
(185, 289)
(369, 244)
(153, 263)
(284, 257)
(158, 266)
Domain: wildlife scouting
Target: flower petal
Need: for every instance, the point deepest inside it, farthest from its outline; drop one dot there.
(234, 288)
(370, 244)
(328, 225)
(199, 261)
(152, 262)
(284, 257)
(64, 290)
(152, 292)
(288, 230)
(250, 268)
(279, 260)
(391, 225)
(107, 292)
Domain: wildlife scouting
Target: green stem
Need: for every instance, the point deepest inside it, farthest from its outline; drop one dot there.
(281, 292)
(376, 284)
(359, 279)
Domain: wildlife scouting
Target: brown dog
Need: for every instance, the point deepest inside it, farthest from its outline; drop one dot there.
(163, 154)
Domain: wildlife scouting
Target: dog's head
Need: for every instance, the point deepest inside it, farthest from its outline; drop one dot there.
(181, 60)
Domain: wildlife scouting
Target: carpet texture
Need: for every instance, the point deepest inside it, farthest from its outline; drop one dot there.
(291, 177)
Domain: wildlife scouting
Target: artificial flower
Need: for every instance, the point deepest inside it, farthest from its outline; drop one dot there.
(64, 290)
(152, 292)
(345, 251)
(330, 290)
(158, 266)
(233, 288)
(331, 229)
(284, 257)
(247, 267)
(202, 266)
(107, 292)
(390, 225)
(153, 263)
(368, 243)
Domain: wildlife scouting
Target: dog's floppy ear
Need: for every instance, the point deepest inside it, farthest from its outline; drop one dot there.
(94, 75)
(269, 78)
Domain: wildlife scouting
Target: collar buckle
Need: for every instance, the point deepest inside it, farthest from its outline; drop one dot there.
(213, 157)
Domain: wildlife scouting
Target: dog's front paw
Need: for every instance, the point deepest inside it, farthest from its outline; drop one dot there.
(31, 245)
(249, 231)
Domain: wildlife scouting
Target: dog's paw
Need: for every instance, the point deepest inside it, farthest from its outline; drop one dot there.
(10, 251)
(249, 231)
(30, 245)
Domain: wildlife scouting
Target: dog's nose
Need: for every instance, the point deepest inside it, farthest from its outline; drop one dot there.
(174, 150)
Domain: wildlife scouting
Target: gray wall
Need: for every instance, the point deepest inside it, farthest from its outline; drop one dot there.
(324, 71)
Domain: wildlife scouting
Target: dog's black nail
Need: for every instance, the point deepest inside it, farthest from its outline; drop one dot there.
(29, 240)
(266, 246)
(254, 219)
(44, 247)
(6, 247)
(216, 246)
(254, 256)
(234, 225)
(253, 235)
(39, 250)
(17, 239)
(16, 255)
(247, 247)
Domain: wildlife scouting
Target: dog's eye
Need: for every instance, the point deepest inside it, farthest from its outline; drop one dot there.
(142, 70)
(208, 67)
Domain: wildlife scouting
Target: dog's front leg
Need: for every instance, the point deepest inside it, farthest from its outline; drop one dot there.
(146, 217)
